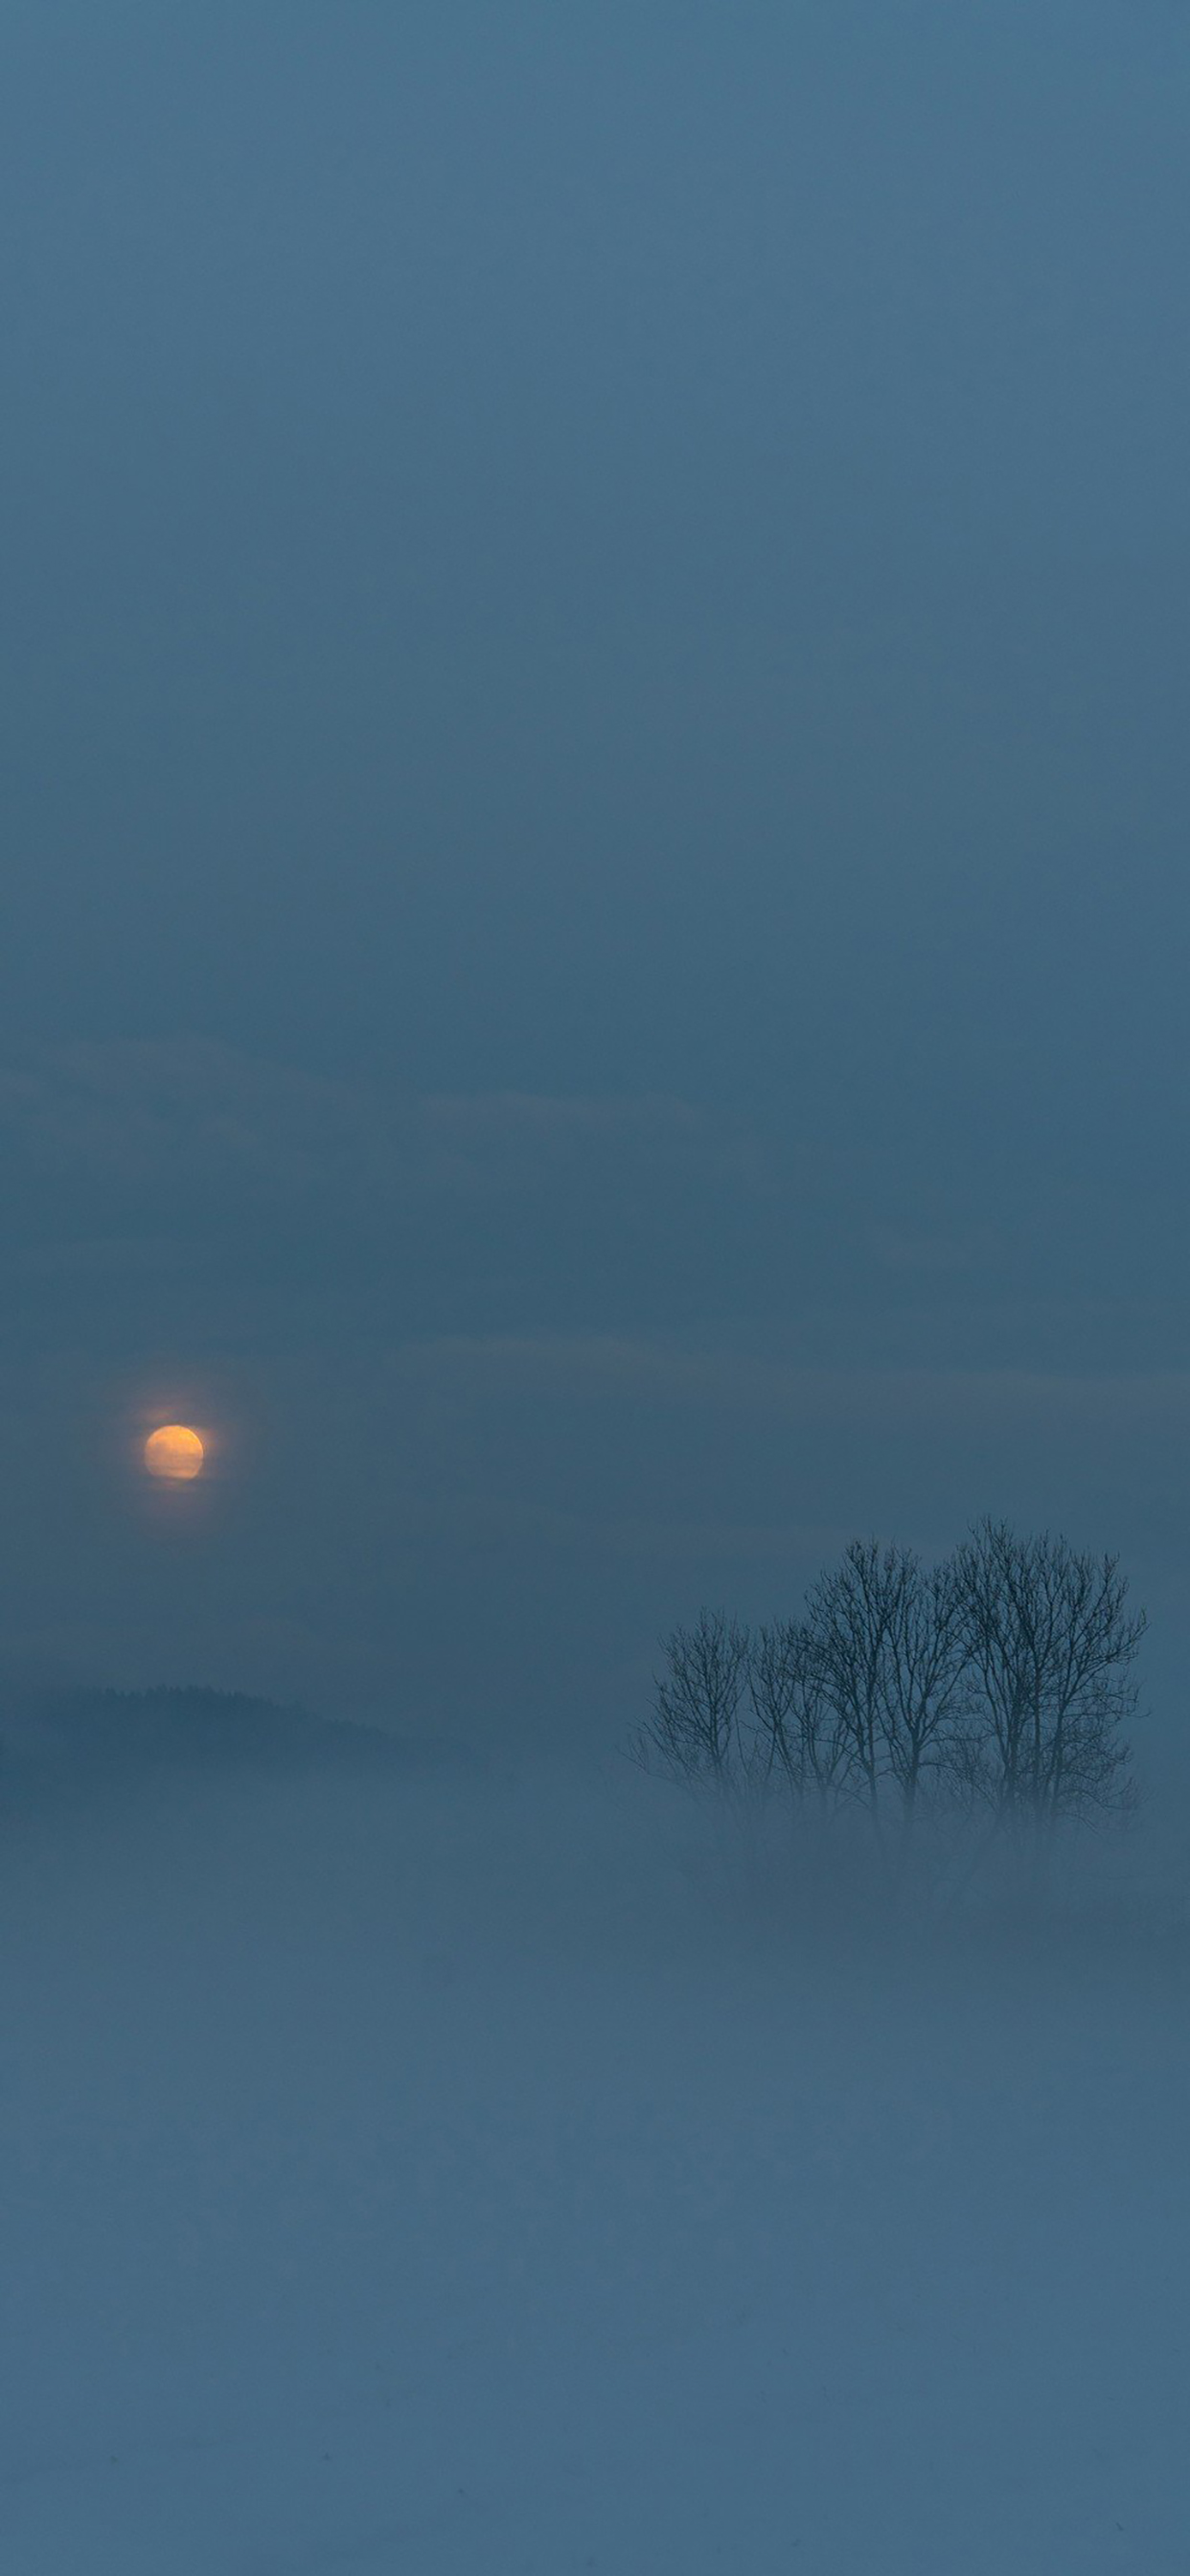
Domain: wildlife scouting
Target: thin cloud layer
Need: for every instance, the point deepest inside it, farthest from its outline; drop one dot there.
(191, 1115)
(670, 1371)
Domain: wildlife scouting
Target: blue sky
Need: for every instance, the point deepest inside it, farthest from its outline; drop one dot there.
(594, 919)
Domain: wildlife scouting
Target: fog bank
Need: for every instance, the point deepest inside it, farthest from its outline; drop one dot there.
(456, 2172)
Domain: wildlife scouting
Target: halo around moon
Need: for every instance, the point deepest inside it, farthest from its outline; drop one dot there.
(175, 1452)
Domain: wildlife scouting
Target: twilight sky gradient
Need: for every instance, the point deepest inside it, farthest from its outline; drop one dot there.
(594, 928)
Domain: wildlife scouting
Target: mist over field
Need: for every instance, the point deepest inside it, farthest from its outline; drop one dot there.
(457, 2171)
(594, 1288)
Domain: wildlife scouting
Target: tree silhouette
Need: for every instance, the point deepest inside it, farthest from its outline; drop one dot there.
(693, 1732)
(1049, 1645)
(997, 1682)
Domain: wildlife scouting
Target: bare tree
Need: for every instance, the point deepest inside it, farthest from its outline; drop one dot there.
(926, 1688)
(1050, 1644)
(852, 1616)
(800, 1742)
(888, 1645)
(693, 1733)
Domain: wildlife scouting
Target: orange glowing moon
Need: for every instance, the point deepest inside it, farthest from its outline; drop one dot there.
(175, 1452)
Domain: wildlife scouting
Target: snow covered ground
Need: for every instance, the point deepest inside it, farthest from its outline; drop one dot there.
(438, 2176)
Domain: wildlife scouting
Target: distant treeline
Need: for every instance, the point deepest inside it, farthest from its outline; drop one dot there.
(996, 1684)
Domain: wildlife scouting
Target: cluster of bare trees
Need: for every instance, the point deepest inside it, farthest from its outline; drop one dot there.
(996, 1683)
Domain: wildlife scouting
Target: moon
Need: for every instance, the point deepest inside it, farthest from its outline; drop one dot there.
(175, 1452)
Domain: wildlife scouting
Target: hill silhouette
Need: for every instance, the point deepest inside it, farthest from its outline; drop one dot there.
(94, 1735)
